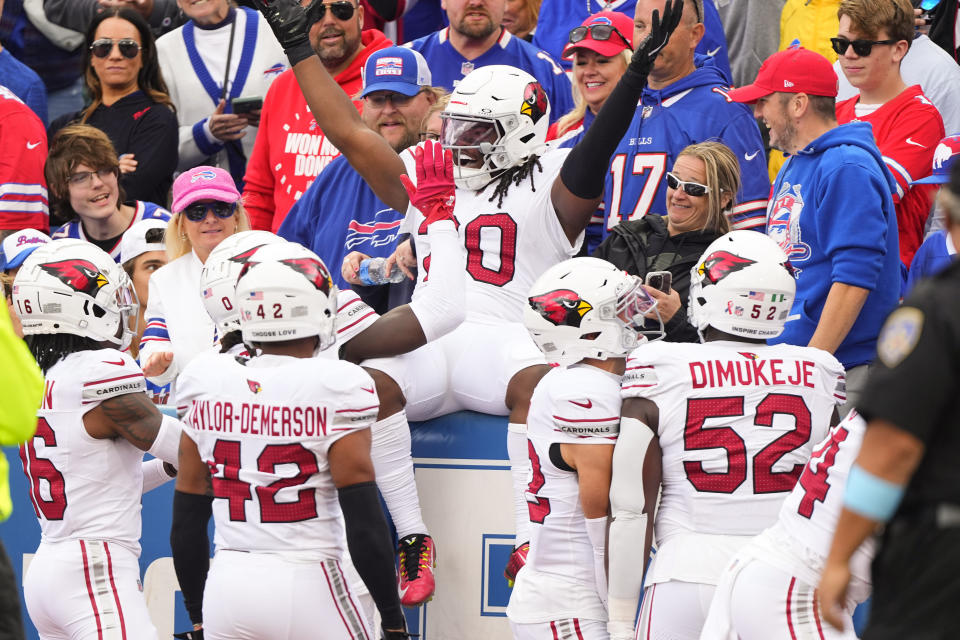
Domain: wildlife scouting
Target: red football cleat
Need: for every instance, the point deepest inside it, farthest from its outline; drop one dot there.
(417, 560)
(517, 559)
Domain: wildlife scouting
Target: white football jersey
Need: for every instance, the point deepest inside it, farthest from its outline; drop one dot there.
(811, 511)
(353, 316)
(576, 405)
(508, 246)
(264, 427)
(82, 487)
(737, 424)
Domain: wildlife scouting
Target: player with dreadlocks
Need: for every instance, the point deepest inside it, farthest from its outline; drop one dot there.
(495, 124)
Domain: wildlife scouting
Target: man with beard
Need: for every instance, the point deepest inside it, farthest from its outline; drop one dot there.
(290, 149)
(339, 213)
(475, 39)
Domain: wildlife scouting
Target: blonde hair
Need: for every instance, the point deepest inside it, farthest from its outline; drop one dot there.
(723, 177)
(579, 110)
(177, 242)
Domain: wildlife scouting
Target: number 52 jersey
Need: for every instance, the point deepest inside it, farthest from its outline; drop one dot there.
(264, 427)
(737, 424)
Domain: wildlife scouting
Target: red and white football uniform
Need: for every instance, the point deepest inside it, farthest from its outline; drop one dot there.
(86, 493)
(507, 248)
(558, 586)
(737, 423)
(907, 130)
(264, 427)
(768, 590)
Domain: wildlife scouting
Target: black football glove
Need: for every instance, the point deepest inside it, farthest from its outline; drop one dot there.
(398, 635)
(290, 23)
(196, 634)
(656, 40)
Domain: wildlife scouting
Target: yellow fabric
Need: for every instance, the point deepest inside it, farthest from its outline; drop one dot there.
(813, 23)
(22, 382)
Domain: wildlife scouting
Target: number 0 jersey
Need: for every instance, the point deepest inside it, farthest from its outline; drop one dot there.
(576, 405)
(737, 424)
(82, 487)
(264, 427)
(508, 246)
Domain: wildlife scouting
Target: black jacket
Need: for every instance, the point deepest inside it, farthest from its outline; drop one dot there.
(645, 245)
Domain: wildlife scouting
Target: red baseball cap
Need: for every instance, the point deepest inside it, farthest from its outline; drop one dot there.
(608, 48)
(793, 70)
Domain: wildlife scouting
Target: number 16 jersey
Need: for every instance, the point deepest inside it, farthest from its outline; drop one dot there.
(737, 424)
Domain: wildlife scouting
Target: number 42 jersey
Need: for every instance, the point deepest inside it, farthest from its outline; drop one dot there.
(737, 424)
(264, 427)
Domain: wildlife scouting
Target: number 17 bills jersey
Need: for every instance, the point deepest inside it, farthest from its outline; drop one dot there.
(264, 427)
(737, 424)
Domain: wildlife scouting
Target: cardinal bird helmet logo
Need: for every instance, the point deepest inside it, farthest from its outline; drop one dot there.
(719, 264)
(561, 307)
(534, 102)
(314, 271)
(80, 275)
(244, 257)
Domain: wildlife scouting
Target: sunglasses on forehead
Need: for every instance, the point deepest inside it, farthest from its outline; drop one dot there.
(860, 47)
(694, 189)
(341, 10)
(102, 47)
(198, 210)
(597, 32)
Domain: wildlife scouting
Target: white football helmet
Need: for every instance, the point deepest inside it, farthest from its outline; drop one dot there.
(284, 293)
(586, 308)
(73, 286)
(497, 117)
(743, 285)
(218, 278)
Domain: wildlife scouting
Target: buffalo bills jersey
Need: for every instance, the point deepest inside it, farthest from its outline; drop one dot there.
(693, 109)
(264, 427)
(577, 405)
(907, 130)
(82, 487)
(737, 424)
(507, 246)
(339, 213)
(142, 211)
(448, 67)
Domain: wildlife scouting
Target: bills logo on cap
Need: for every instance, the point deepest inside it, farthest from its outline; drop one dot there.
(28, 239)
(206, 174)
(388, 66)
(600, 20)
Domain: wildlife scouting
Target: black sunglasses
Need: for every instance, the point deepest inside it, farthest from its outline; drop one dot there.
(379, 100)
(198, 211)
(860, 47)
(102, 47)
(341, 10)
(597, 32)
(694, 189)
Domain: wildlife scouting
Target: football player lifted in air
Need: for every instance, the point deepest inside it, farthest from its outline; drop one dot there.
(584, 314)
(85, 463)
(520, 209)
(725, 428)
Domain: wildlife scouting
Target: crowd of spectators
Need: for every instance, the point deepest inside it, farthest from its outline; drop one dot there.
(848, 113)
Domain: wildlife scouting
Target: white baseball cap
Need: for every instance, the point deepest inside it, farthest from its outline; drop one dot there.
(143, 236)
(18, 246)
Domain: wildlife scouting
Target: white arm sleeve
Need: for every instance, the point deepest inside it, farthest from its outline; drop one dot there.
(442, 305)
(628, 528)
(154, 474)
(167, 443)
(597, 532)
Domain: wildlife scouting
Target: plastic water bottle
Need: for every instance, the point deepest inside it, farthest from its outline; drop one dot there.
(372, 272)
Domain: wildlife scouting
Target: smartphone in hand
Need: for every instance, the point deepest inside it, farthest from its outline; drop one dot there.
(659, 280)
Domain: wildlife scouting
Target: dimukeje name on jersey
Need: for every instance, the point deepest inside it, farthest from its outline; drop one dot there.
(752, 371)
(271, 420)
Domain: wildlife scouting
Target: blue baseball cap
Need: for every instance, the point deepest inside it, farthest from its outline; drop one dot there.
(944, 157)
(397, 69)
(17, 246)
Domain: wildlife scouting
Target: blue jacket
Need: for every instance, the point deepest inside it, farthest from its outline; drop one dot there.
(933, 256)
(693, 109)
(832, 213)
(338, 214)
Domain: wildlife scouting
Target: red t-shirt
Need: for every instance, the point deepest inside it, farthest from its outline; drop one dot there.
(290, 149)
(907, 130)
(23, 190)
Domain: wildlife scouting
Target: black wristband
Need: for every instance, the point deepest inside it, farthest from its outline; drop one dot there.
(585, 169)
(299, 52)
(371, 549)
(191, 548)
